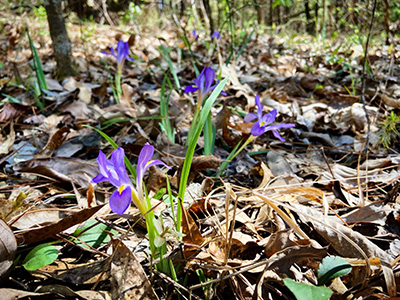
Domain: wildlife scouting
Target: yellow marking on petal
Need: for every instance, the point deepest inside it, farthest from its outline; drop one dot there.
(262, 124)
(149, 162)
(120, 189)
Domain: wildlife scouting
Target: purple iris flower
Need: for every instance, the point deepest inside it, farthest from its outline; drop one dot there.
(216, 35)
(203, 84)
(260, 126)
(194, 33)
(113, 170)
(121, 53)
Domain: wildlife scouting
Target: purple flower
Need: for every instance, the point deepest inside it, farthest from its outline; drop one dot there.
(260, 126)
(203, 84)
(113, 170)
(216, 35)
(145, 162)
(194, 33)
(121, 53)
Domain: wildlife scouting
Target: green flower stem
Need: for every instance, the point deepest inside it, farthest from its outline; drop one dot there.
(118, 89)
(234, 153)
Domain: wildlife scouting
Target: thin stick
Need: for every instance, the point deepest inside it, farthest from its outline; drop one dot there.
(363, 77)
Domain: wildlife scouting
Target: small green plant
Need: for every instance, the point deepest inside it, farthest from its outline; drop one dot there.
(40, 12)
(40, 256)
(165, 123)
(390, 130)
(330, 268)
(207, 289)
(93, 234)
(41, 84)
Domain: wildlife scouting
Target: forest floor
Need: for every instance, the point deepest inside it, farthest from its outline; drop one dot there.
(279, 209)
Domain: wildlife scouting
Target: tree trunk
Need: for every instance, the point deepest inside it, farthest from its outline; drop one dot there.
(316, 9)
(270, 19)
(310, 27)
(260, 11)
(61, 42)
(209, 14)
(387, 17)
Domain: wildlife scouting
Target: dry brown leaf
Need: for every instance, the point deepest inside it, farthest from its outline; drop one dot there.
(11, 111)
(40, 234)
(279, 240)
(191, 231)
(35, 218)
(266, 174)
(64, 169)
(8, 248)
(128, 279)
(7, 142)
(85, 92)
(87, 273)
(55, 142)
(14, 294)
(333, 233)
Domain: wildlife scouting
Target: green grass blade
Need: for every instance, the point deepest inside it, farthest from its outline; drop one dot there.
(164, 53)
(115, 146)
(38, 66)
(11, 98)
(244, 45)
(165, 123)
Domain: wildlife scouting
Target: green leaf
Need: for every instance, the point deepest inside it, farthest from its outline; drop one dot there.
(94, 236)
(40, 256)
(304, 291)
(115, 146)
(11, 98)
(332, 267)
(192, 146)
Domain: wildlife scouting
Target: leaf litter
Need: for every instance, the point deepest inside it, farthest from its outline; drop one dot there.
(278, 211)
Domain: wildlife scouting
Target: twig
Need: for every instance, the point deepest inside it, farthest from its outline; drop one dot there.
(106, 15)
(176, 284)
(363, 78)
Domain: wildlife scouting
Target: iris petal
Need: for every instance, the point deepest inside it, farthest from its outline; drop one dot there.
(153, 163)
(99, 178)
(191, 88)
(277, 135)
(257, 130)
(250, 117)
(269, 117)
(102, 162)
(144, 156)
(119, 202)
(208, 80)
(259, 107)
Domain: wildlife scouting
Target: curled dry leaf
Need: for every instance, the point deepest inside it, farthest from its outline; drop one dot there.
(11, 111)
(333, 232)
(64, 169)
(192, 233)
(8, 141)
(40, 234)
(8, 248)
